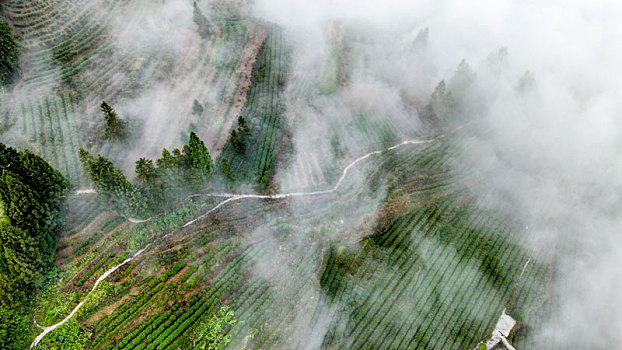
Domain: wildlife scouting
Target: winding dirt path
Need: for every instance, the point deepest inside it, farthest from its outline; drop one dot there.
(47, 330)
(234, 197)
(230, 197)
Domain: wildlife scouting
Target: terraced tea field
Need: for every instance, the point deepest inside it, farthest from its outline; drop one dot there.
(338, 227)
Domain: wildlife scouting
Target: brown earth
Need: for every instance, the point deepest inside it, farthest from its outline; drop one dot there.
(241, 78)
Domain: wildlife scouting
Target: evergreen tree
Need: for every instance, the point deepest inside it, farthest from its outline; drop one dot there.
(151, 185)
(9, 52)
(226, 168)
(29, 197)
(172, 168)
(116, 128)
(198, 161)
(242, 125)
(440, 110)
(462, 80)
(113, 188)
(201, 21)
(239, 145)
(145, 170)
(197, 107)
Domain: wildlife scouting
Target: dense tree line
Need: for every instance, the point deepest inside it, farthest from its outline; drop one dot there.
(9, 52)
(175, 174)
(113, 188)
(30, 191)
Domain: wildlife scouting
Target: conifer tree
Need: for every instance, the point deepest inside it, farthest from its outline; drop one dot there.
(201, 21)
(145, 170)
(113, 188)
(198, 161)
(9, 52)
(238, 144)
(197, 107)
(29, 198)
(116, 128)
(226, 168)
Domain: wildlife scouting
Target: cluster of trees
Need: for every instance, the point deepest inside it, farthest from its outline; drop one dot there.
(113, 188)
(239, 135)
(448, 101)
(9, 52)
(174, 174)
(30, 191)
(441, 107)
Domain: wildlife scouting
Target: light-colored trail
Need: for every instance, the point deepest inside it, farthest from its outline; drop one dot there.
(234, 197)
(86, 191)
(47, 330)
(230, 197)
(524, 268)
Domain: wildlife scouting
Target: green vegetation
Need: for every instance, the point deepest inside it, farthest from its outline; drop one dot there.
(197, 107)
(116, 128)
(47, 123)
(214, 334)
(71, 335)
(226, 168)
(263, 134)
(29, 201)
(238, 136)
(9, 52)
(423, 267)
(175, 174)
(113, 188)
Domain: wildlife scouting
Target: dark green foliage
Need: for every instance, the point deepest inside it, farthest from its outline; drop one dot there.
(176, 173)
(113, 189)
(239, 135)
(197, 107)
(9, 52)
(14, 322)
(226, 168)
(29, 200)
(116, 128)
(151, 184)
(341, 261)
(188, 168)
(198, 162)
(243, 125)
(173, 163)
(238, 143)
(145, 170)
